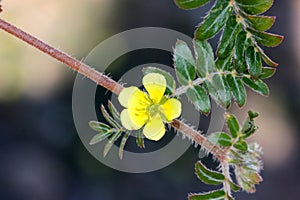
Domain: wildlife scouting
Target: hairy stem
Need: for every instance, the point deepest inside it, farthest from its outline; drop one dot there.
(105, 82)
(74, 64)
(181, 90)
(226, 173)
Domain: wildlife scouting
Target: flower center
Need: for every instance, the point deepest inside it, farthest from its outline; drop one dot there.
(153, 109)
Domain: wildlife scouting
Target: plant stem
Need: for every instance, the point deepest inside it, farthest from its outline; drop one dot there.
(105, 82)
(74, 64)
(226, 173)
(181, 90)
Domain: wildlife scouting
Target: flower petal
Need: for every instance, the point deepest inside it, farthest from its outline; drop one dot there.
(154, 129)
(155, 85)
(171, 109)
(131, 121)
(133, 97)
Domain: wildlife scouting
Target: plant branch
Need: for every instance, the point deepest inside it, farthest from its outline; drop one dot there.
(105, 82)
(74, 64)
(181, 90)
(226, 173)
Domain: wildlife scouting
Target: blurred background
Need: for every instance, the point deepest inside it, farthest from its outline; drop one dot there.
(41, 155)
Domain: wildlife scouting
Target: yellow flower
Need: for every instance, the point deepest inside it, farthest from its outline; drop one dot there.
(151, 109)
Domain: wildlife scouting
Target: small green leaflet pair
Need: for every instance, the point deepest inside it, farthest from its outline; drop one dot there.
(244, 158)
(113, 132)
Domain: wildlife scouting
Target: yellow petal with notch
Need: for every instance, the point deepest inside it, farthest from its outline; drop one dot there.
(154, 129)
(133, 97)
(171, 109)
(155, 85)
(132, 120)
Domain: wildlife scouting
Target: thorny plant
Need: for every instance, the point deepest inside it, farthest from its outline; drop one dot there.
(203, 75)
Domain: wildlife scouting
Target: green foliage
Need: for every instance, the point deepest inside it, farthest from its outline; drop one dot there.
(266, 39)
(244, 158)
(253, 61)
(237, 89)
(239, 61)
(103, 129)
(267, 72)
(241, 44)
(254, 7)
(204, 58)
(260, 23)
(215, 20)
(239, 58)
(213, 195)
(186, 4)
(198, 96)
(221, 139)
(208, 176)
(139, 139)
(111, 132)
(233, 125)
(248, 166)
(227, 40)
(184, 63)
(257, 86)
(219, 90)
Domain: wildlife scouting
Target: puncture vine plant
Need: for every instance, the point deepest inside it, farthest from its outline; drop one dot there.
(203, 76)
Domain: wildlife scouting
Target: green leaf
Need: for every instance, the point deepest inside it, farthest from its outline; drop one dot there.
(233, 125)
(114, 112)
(110, 142)
(241, 44)
(254, 7)
(267, 72)
(224, 64)
(184, 63)
(109, 119)
(266, 59)
(234, 187)
(237, 89)
(252, 114)
(257, 86)
(248, 129)
(213, 195)
(204, 58)
(220, 138)
(103, 129)
(229, 197)
(208, 176)
(218, 89)
(122, 144)
(99, 126)
(139, 139)
(266, 39)
(99, 137)
(247, 180)
(249, 126)
(190, 4)
(228, 37)
(171, 84)
(214, 21)
(198, 96)
(241, 145)
(260, 23)
(253, 61)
